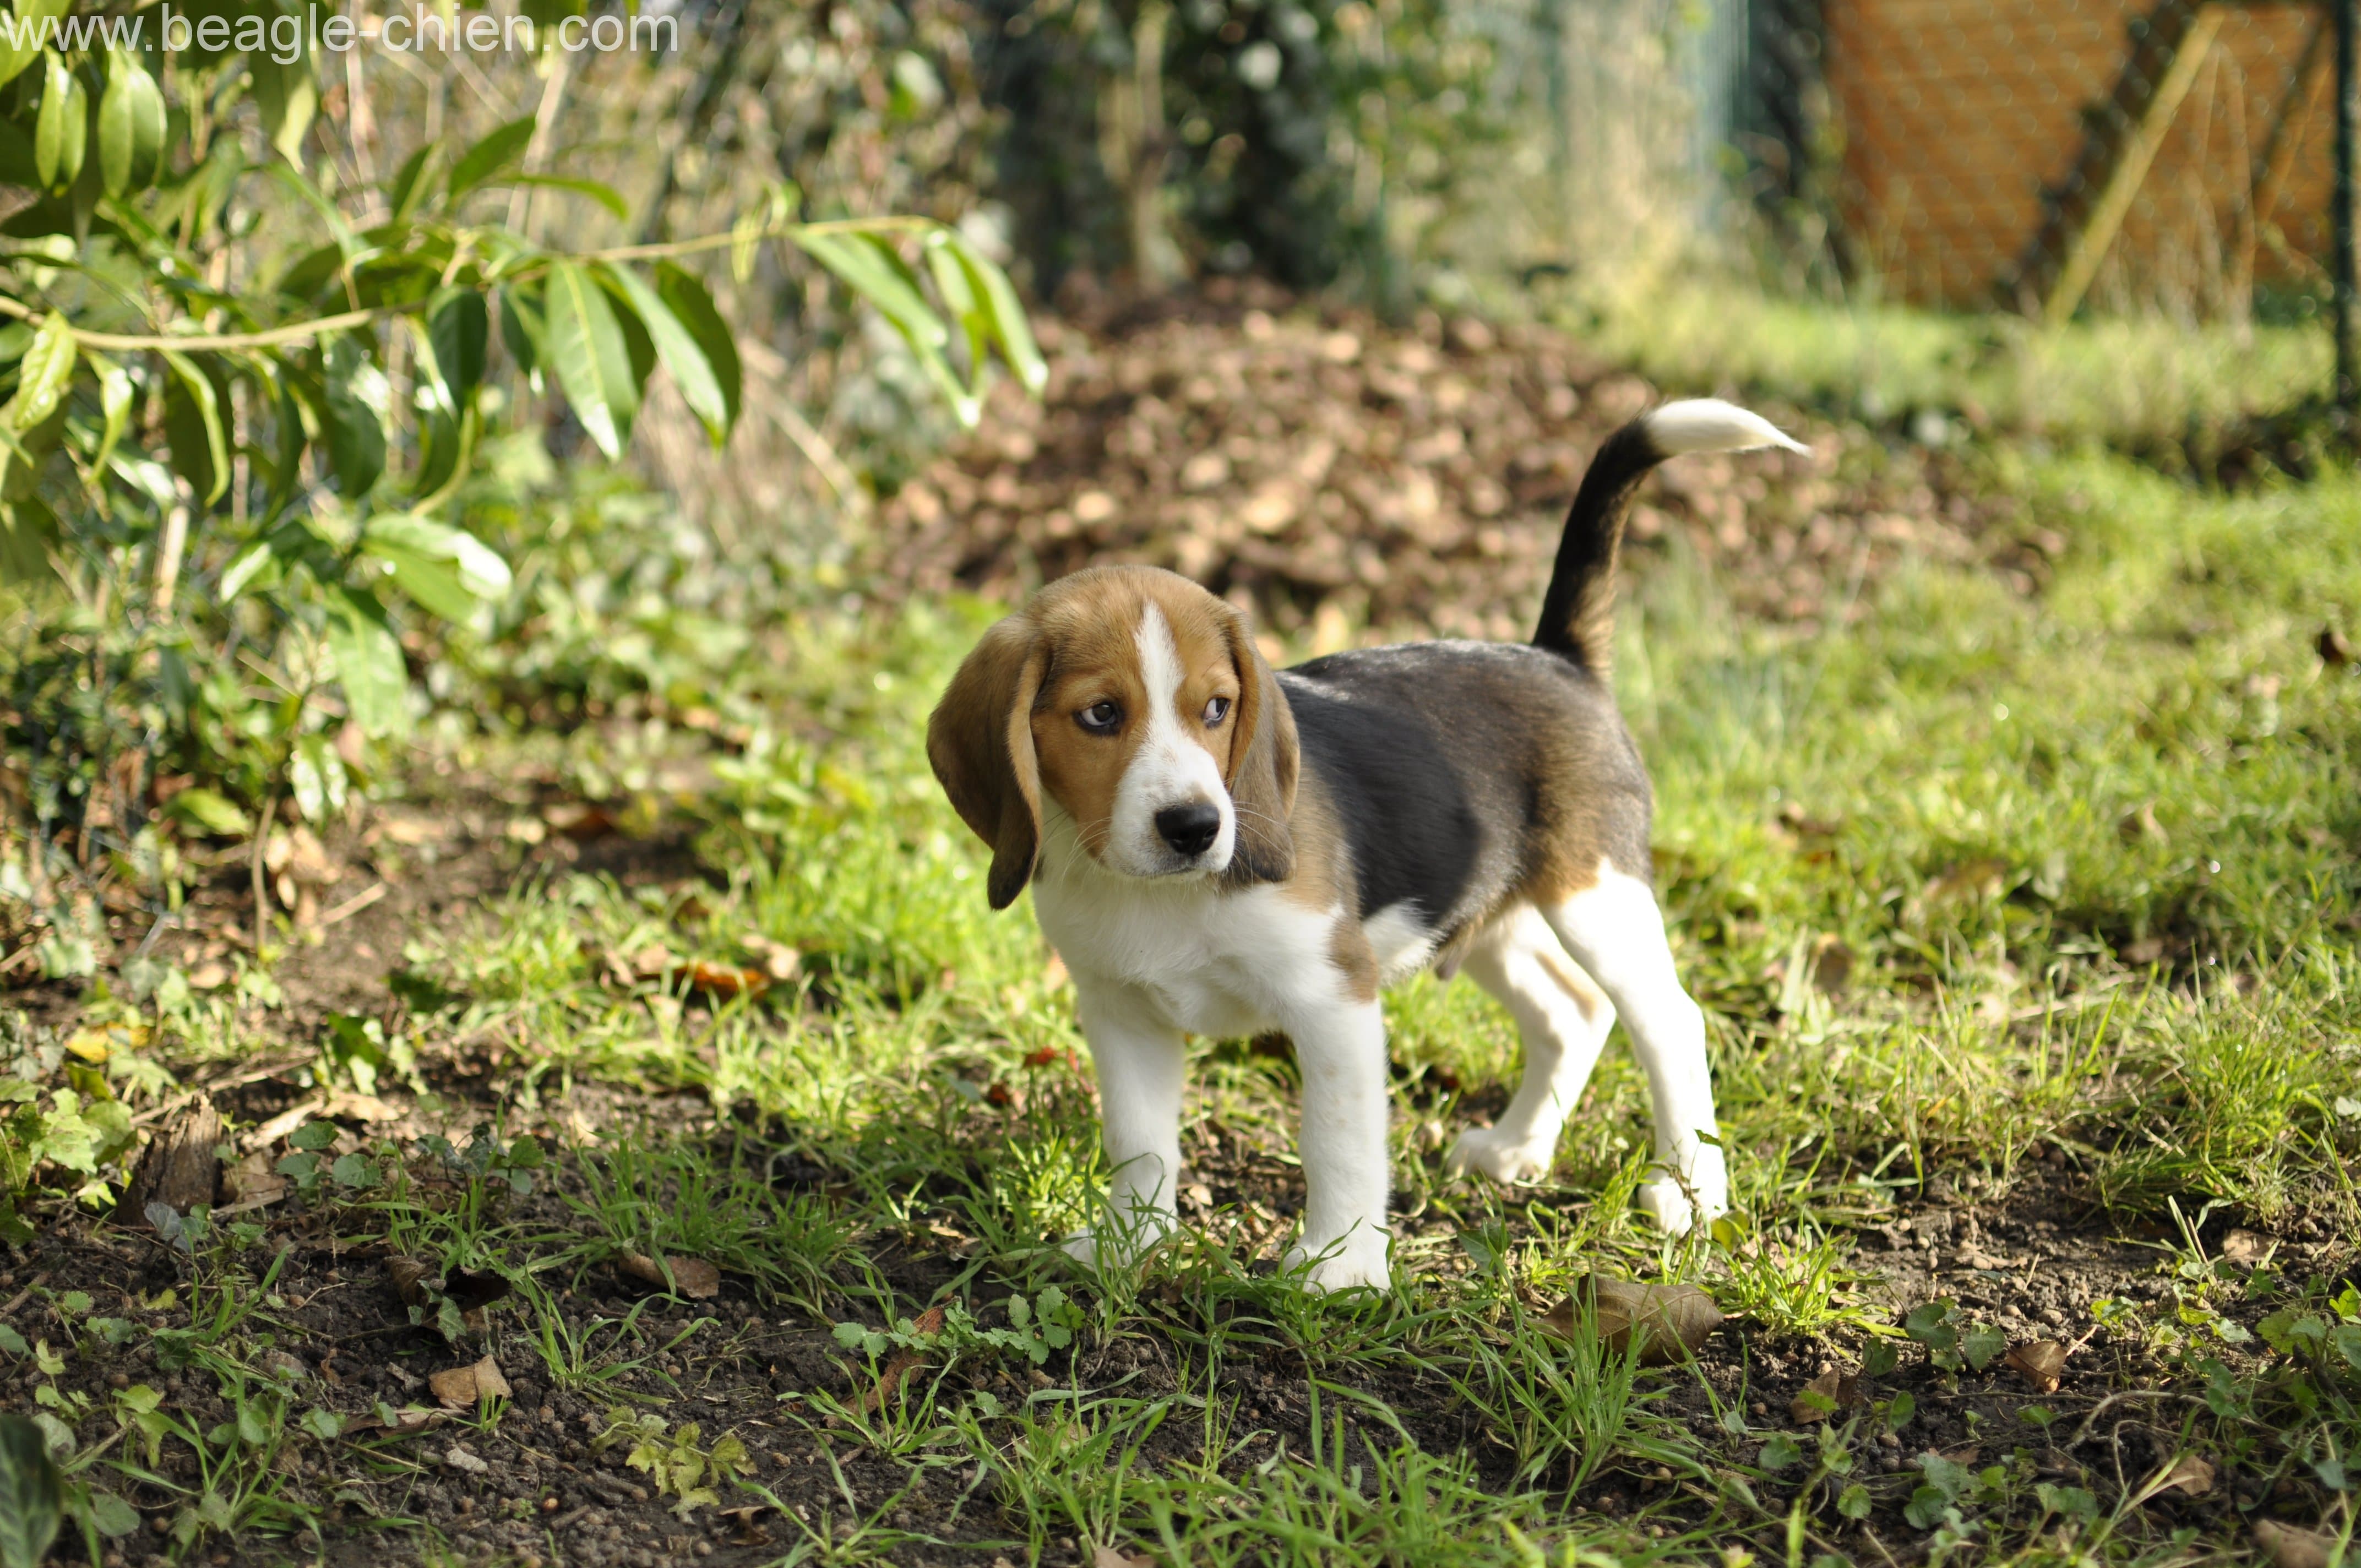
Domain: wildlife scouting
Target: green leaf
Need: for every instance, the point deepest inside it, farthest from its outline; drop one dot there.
(489, 155)
(1982, 1344)
(682, 352)
(62, 127)
(289, 97)
(410, 182)
(1779, 1452)
(523, 329)
(1853, 1501)
(18, 49)
(592, 360)
(45, 375)
(32, 1494)
(460, 330)
(111, 1516)
(206, 467)
(369, 663)
(1010, 328)
(605, 195)
(115, 396)
(871, 266)
(130, 126)
(354, 399)
(313, 1135)
(446, 569)
(355, 1171)
(685, 295)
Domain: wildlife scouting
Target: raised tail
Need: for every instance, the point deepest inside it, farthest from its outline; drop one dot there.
(1579, 613)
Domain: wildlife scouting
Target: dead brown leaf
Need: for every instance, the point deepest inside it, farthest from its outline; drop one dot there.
(727, 979)
(409, 1276)
(2245, 1248)
(2039, 1362)
(691, 1276)
(460, 1386)
(2190, 1475)
(2290, 1547)
(415, 1417)
(1670, 1319)
(1835, 1390)
(904, 1363)
(252, 1180)
(1108, 1557)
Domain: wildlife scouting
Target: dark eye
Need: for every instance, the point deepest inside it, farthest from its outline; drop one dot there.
(1216, 710)
(1100, 717)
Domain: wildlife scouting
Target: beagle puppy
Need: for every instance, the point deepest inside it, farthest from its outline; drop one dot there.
(1215, 849)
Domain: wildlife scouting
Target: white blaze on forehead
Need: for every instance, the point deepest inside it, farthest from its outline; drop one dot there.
(1160, 671)
(1171, 767)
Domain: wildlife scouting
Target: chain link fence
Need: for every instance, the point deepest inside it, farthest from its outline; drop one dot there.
(2043, 156)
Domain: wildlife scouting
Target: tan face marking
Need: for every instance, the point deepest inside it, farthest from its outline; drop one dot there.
(1136, 718)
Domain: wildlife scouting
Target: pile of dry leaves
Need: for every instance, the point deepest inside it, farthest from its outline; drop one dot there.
(1320, 466)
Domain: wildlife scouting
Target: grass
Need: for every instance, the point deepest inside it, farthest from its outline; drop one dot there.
(1971, 885)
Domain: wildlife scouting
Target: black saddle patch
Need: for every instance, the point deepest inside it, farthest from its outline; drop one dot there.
(1412, 821)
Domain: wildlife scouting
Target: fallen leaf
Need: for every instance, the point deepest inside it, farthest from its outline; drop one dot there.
(211, 975)
(780, 962)
(458, 1458)
(409, 1276)
(651, 962)
(2290, 1547)
(2039, 1362)
(2190, 1475)
(727, 979)
(474, 1291)
(579, 820)
(1108, 1557)
(691, 1276)
(2245, 1248)
(904, 1362)
(251, 1180)
(2333, 649)
(1824, 1395)
(460, 1386)
(412, 1419)
(1669, 1319)
(1832, 964)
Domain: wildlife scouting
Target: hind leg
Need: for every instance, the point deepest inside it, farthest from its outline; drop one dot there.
(1564, 1020)
(1615, 932)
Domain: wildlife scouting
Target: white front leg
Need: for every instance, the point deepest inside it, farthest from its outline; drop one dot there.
(1141, 1060)
(1615, 932)
(1341, 1050)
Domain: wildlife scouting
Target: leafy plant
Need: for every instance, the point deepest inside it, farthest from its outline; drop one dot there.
(1035, 1328)
(674, 1460)
(242, 392)
(1951, 1341)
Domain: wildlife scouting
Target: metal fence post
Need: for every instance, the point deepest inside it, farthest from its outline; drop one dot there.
(2348, 88)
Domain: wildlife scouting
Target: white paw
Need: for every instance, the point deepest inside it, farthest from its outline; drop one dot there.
(1357, 1262)
(1670, 1203)
(1506, 1160)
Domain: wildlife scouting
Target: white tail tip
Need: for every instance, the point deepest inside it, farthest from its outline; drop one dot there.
(1708, 424)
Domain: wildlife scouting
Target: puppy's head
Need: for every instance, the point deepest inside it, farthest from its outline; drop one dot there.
(1136, 701)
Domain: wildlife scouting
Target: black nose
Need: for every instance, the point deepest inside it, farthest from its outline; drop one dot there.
(1190, 830)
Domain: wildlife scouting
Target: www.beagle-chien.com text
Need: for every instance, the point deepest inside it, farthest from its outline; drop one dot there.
(1219, 849)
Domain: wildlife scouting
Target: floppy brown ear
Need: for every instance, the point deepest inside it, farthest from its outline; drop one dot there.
(980, 743)
(1263, 767)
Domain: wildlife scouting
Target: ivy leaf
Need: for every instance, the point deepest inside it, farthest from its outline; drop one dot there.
(593, 361)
